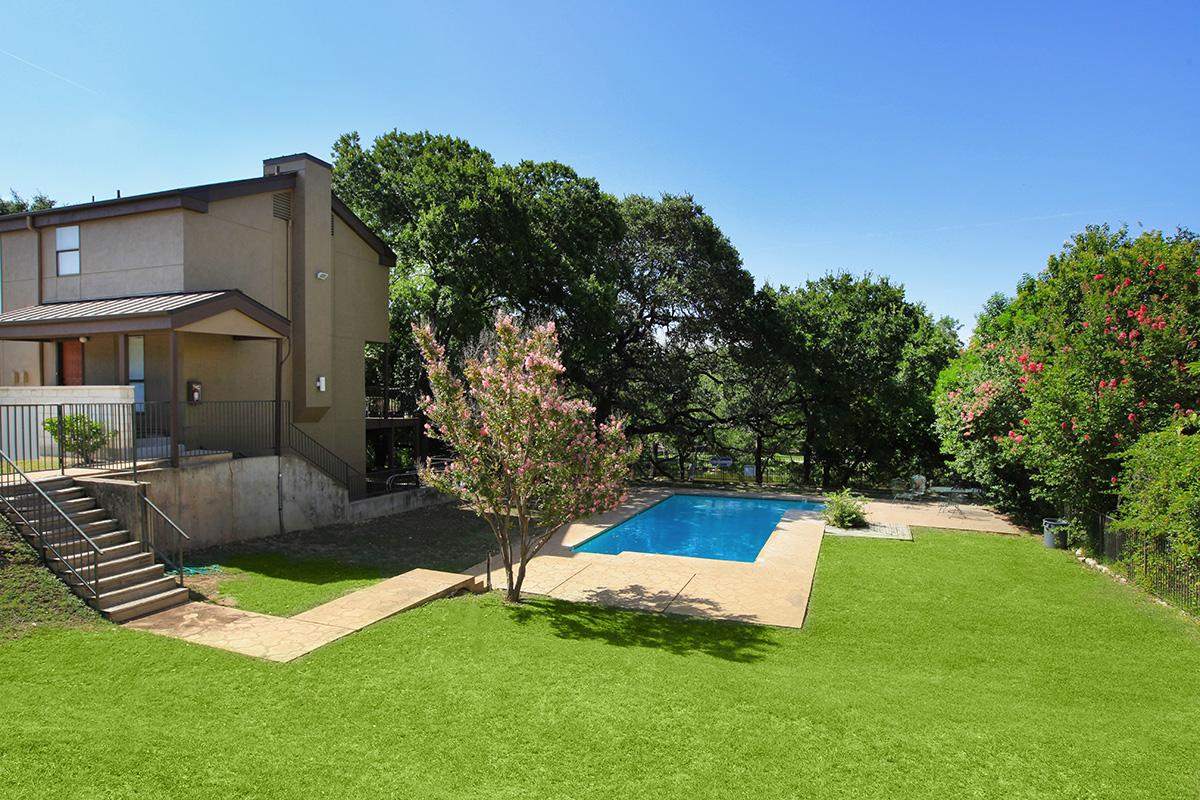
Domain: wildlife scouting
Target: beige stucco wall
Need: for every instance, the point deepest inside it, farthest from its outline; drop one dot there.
(18, 289)
(236, 499)
(100, 360)
(136, 254)
(237, 244)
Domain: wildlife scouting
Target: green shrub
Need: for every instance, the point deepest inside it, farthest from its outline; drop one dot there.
(1159, 491)
(80, 435)
(845, 510)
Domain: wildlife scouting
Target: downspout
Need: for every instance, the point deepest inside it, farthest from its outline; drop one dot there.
(38, 280)
(287, 299)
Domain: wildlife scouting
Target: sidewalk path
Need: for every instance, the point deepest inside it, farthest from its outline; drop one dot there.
(288, 638)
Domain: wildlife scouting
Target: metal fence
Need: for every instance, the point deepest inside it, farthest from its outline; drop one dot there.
(55, 436)
(390, 402)
(1164, 574)
(326, 461)
(58, 538)
(126, 436)
(241, 427)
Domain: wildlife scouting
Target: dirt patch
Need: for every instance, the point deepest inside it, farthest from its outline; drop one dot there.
(443, 538)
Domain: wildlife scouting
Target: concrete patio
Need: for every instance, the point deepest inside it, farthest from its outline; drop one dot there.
(772, 590)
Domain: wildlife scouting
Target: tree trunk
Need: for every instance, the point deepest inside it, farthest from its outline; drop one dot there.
(808, 470)
(682, 469)
(513, 595)
(825, 474)
(758, 460)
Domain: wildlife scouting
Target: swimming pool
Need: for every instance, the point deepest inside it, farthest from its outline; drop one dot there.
(699, 525)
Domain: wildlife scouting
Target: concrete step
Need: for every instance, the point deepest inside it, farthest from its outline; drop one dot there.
(80, 516)
(141, 572)
(72, 541)
(92, 523)
(116, 566)
(147, 605)
(30, 499)
(106, 554)
(133, 591)
(55, 484)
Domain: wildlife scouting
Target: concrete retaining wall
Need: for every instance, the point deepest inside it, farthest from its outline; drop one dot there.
(229, 500)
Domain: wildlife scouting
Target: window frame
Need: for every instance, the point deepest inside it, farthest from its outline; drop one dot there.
(59, 250)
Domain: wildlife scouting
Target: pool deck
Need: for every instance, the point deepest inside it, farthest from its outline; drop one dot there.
(772, 590)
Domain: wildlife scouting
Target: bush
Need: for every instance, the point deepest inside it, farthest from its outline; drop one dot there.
(845, 510)
(80, 436)
(1160, 493)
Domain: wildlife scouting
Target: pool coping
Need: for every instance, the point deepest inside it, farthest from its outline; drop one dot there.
(771, 590)
(730, 495)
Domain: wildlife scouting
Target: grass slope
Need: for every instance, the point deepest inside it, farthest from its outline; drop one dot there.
(961, 665)
(30, 595)
(294, 572)
(272, 583)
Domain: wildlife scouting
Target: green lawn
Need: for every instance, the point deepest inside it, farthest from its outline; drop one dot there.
(271, 583)
(960, 665)
(294, 572)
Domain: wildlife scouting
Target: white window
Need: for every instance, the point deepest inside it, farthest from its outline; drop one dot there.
(66, 246)
(137, 368)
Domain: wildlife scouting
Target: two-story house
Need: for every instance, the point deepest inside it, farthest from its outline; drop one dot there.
(222, 321)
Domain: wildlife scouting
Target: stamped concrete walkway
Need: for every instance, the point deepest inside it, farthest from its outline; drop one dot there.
(288, 638)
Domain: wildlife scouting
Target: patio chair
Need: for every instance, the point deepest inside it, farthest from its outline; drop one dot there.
(912, 490)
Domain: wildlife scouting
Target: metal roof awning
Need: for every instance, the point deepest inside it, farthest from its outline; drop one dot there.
(227, 312)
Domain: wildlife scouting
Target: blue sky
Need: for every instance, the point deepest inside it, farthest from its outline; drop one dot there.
(950, 146)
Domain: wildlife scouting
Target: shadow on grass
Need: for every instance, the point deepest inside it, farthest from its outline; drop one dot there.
(312, 571)
(731, 640)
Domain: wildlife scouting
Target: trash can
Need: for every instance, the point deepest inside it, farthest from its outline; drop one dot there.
(1054, 533)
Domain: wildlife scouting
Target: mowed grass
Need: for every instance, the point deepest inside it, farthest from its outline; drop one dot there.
(960, 665)
(271, 583)
(30, 595)
(294, 572)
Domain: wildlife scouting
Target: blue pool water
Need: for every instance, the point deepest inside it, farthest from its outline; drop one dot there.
(704, 526)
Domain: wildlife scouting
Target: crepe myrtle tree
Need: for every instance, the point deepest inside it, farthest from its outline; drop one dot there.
(528, 458)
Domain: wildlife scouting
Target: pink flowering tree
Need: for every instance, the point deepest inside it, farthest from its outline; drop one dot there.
(527, 458)
(1098, 350)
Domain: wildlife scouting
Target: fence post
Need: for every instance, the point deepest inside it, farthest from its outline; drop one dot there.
(133, 437)
(62, 464)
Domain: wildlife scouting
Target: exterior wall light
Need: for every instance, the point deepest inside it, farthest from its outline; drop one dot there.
(321, 276)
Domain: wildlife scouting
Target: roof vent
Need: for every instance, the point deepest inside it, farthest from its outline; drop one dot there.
(281, 205)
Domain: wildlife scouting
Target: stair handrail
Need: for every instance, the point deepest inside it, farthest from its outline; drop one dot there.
(329, 462)
(179, 540)
(93, 585)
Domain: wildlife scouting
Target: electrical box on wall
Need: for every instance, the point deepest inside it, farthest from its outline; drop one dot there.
(320, 383)
(194, 391)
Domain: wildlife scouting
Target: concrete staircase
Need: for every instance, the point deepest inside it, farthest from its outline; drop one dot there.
(130, 581)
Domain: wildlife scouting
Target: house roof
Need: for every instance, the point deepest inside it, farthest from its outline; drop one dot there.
(191, 198)
(139, 313)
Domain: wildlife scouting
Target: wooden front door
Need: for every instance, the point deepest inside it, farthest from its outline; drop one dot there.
(71, 362)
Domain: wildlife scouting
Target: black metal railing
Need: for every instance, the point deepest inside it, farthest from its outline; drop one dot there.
(125, 436)
(48, 527)
(162, 537)
(384, 403)
(54, 436)
(1164, 574)
(325, 460)
(242, 427)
